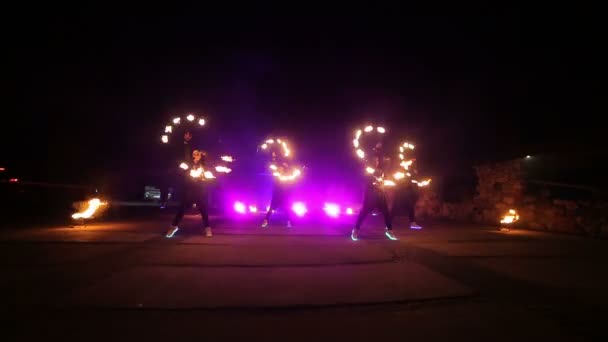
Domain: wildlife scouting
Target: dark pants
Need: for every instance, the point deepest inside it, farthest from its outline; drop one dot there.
(374, 199)
(405, 201)
(279, 200)
(189, 196)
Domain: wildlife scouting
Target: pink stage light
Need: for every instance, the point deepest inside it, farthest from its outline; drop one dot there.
(299, 208)
(349, 211)
(331, 209)
(240, 208)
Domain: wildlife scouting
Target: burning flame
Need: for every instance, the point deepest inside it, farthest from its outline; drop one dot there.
(370, 170)
(201, 122)
(208, 175)
(164, 139)
(264, 146)
(399, 175)
(270, 141)
(286, 178)
(223, 169)
(168, 129)
(228, 159)
(510, 217)
(196, 173)
(369, 129)
(183, 166)
(388, 182)
(422, 183)
(358, 134)
(94, 204)
(356, 143)
(381, 130)
(176, 121)
(360, 153)
(190, 117)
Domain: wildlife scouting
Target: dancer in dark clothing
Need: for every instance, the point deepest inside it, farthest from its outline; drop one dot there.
(375, 198)
(194, 190)
(280, 196)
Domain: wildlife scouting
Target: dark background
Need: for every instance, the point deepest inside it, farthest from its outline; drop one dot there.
(90, 87)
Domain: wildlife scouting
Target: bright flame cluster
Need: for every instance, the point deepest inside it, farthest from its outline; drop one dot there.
(510, 217)
(176, 121)
(289, 177)
(283, 145)
(93, 205)
(356, 141)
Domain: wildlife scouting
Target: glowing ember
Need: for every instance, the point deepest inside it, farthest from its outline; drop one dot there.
(176, 121)
(358, 134)
(228, 159)
(201, 122)
(399, 175)
(168, 129)
(381, 130)
(164, 139)
(183, 166)
(510, 217)
(369, 129)
(223, 169)
(356, 143)
(331, 209)
(388, 182)
(196, 173)
(239, 207)
(208, 175)
(190, 117)
(422, 183)
(299, 208)
(92, 208)
(360, 153)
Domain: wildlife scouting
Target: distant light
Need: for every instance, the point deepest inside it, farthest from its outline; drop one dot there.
(349, 211)
(253, 209)
(299, 208)
(164, 139)
(332, 209)
(14, 180)
(239, 207)
(190, 117)
(201, 122)
(2, 169)
(528, 156)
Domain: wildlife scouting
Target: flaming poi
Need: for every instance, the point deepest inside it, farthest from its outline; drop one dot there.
(282, 171)
(190, 119)
(93, 206)
(510, 217)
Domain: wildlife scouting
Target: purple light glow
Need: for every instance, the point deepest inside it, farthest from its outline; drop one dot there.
(349, 211)
(332, 209)
(299, 208)
(239, 207)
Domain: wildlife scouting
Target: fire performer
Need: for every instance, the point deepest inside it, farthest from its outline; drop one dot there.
(194, 190)
(375, 197)
(280, 190)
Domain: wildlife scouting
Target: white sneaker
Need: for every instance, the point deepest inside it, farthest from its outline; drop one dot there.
(289, 225)
(389, 234)
(172, 231)
(265, 224)
(354, 235)
(414, 225)
(208, 232)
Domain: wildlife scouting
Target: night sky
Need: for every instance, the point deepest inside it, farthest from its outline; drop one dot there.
(89, 89)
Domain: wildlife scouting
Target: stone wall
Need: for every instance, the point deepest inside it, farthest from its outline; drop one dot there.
(502, 186)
